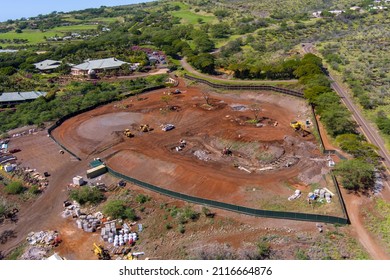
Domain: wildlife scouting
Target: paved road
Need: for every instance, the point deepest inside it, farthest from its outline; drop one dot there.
(364, 126)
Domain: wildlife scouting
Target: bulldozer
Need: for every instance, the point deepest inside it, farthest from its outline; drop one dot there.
(144, 128)
(300, 128)
(101, 252)
(128, 133)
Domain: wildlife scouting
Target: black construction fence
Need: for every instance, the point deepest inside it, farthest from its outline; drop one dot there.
(209, 202)
(245, 87)
(232, 207)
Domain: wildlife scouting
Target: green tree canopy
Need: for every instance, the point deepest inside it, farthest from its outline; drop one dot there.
(356, 174)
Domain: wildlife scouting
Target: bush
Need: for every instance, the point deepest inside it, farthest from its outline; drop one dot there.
(141, 198)
(14, 187)
(117, 209)
(87, 194)
(34, 190)
(182, 229)
(263, 249)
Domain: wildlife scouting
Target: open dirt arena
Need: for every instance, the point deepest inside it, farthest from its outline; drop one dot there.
(266, 163)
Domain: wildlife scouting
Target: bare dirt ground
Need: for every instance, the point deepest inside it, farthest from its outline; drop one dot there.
(268, 162)
(228, 229)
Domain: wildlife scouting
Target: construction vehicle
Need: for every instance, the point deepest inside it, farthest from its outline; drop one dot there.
(128, 133)
(101, 252)
(144, 128)
(300, 128)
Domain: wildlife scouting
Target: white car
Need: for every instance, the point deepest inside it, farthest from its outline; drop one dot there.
(168, 127)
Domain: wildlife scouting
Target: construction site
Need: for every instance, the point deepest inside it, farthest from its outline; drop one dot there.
(250, 149)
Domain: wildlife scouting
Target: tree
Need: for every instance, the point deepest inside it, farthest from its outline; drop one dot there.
(205, 62)
(117, 209)
(220, 30)
(356, 174)
(356, 146)
(307, 69)
(311, 93)
(338, 120)
(203, 43)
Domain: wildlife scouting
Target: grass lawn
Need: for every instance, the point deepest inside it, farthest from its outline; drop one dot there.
(35, 36)
(188, 17)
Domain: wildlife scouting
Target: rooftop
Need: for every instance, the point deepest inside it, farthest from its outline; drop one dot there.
(106, 63)
(47, 64)
(20, 96)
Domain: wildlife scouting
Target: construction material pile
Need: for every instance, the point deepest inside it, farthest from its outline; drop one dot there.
(88, 223)
(119, 236)
(43, 238)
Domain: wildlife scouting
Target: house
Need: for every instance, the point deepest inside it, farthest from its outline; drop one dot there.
(317, 14)
(355, 8)
(47, 65)
(337, 12)
(13, 98)
(154, 57)
(97, 66)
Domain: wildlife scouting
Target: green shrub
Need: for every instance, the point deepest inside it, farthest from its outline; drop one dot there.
(117, 209)
(15, 187)
(34, 190)
(87, 194)
(182, 229)
(141, 198)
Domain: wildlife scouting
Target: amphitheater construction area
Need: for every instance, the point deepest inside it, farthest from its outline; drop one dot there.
(264, 162)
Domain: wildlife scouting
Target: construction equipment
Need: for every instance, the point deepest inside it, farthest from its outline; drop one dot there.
(144, 128)
(300, 128)
(128, 133)
(296, 125)
(101, 252)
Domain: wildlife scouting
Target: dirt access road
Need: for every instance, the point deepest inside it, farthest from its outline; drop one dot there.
(354, 202)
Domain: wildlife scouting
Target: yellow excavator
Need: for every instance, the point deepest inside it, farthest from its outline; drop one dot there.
(144, 128)
(300, 128)
(101, 252)
(128, 133)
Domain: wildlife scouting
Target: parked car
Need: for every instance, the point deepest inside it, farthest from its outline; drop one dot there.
(168, 127)
(14, 150)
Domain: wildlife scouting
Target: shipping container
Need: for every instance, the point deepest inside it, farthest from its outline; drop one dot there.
(96, 171)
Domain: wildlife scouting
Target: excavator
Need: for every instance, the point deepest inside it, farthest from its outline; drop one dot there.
(128, 133)
(101, 252)
(300, 128)
(144, 128)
